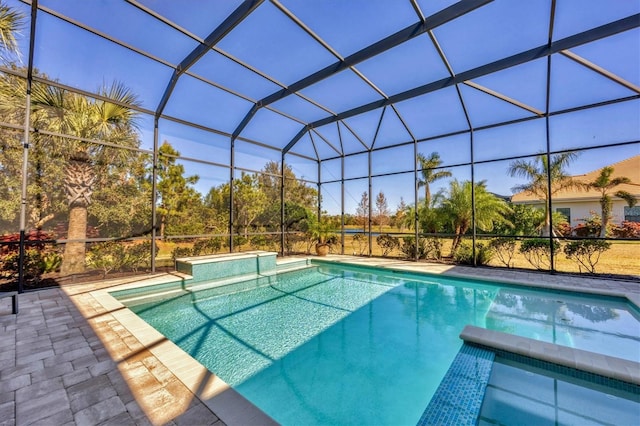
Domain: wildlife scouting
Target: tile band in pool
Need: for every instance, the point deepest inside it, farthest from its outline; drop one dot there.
(564, 370)
(468, 376)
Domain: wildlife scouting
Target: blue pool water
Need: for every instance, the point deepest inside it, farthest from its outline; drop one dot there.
(342, 345)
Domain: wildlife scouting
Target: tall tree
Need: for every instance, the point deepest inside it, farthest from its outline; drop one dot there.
(120, 199)
(382, 210)
(458, 208)
(299, 197)
(249, 201)
(177, 198)
(11, 22)
(122, 202)
(216, 206)
(88, 119)
(539, 171)
(399, 218)
(429, 175)
(604, 183)
(362, 210)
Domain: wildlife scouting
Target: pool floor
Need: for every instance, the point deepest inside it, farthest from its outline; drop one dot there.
(521, 394)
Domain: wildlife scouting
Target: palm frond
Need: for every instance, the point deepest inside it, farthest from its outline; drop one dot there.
(11, 21)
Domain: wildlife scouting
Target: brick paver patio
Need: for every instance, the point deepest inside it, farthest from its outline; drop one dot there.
(55, 370)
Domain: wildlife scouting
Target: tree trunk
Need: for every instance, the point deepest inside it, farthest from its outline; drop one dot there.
(456, 240)
(74, 252)
(546, 229)
(79, 180)
(163, 226)
(606, 213)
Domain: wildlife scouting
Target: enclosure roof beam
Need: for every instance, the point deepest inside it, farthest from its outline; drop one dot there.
(611, 76)
(234, 19)
(450, 13)
(504, 98)
(545, 50)
(339, 152)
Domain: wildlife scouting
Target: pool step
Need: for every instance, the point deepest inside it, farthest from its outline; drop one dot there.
(176, 289)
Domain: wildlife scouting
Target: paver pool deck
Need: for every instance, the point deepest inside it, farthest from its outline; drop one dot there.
(72, 356)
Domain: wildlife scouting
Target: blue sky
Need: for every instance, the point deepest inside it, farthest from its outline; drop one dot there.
(271, 43)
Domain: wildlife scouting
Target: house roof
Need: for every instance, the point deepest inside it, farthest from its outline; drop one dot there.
(628, 168)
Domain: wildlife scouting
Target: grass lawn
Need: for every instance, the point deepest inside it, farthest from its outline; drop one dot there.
(621, 259)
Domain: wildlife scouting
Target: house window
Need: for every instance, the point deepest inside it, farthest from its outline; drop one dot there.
(566, 212)
(632, 214)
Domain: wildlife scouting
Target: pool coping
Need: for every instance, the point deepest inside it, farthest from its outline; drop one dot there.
(231, 407)
(214, 258)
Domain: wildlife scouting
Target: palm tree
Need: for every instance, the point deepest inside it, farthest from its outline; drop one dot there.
(604, 183)
(537, 172)
(90, 119)
(458, 208)
(427, 166)
(10, 23)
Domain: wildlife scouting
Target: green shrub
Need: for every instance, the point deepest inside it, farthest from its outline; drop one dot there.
(408, 248)
(108, 256)
(333, 241)
(464, 254)
(207, 246)
(239, 241)
(387, 243)
(33, 265)
(118, 256)
(178, 252)
(505, 249)
(537, 251)
(138, 255)
(51, 262)
(586, 253)
(428, 248)
(433, 248)
(360, 243)
(264, 242)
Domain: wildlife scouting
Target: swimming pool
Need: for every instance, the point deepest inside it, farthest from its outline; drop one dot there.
(360, 345)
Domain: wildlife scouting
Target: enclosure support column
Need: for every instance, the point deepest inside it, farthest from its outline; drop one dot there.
(474, 228)
(23, 198)
(154, 195)
(282, 217)
(370, 203)
(25, 150)
(342, 203)
(319, 191)
(231, 170)
(552, 258)
(415, 198)
(473, 178)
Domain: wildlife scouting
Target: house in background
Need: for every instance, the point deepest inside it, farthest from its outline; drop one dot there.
(577, 205)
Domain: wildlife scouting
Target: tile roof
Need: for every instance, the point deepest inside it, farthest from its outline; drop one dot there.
(629, 168)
